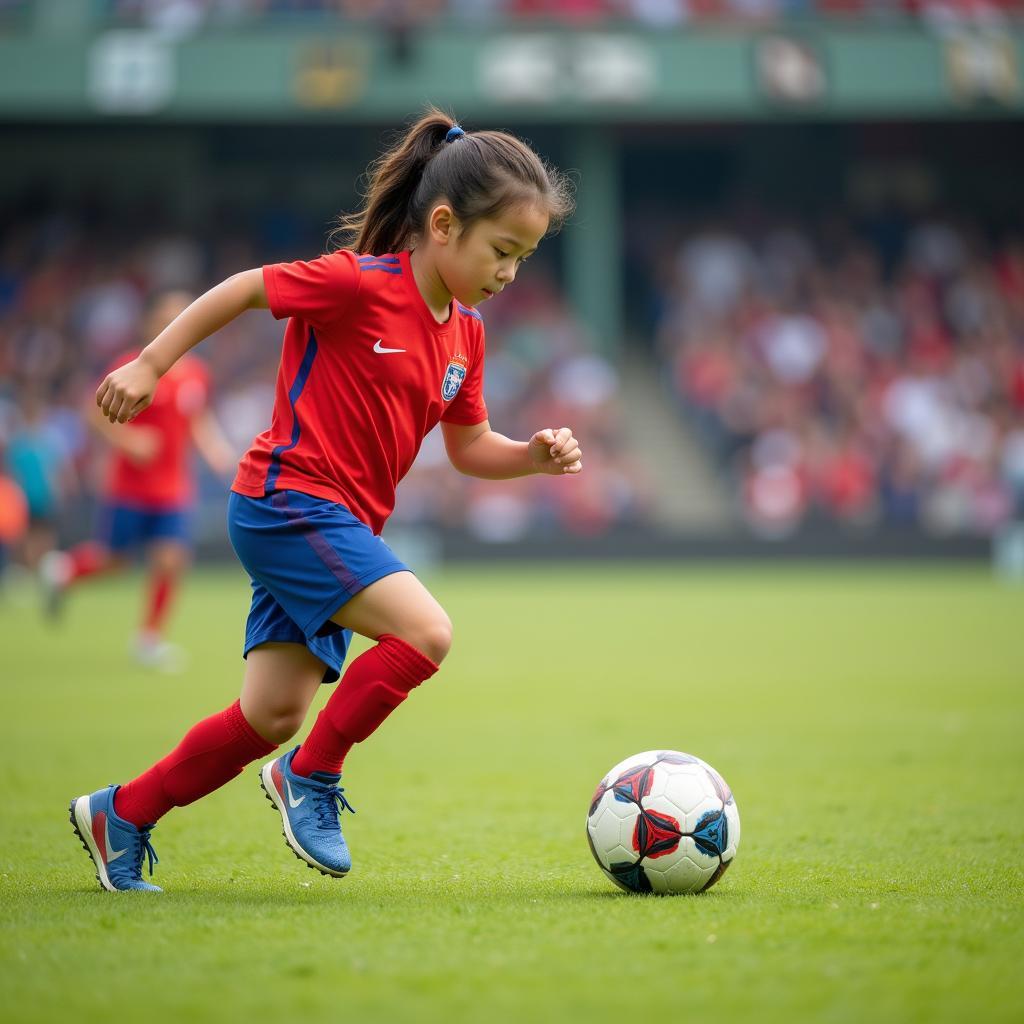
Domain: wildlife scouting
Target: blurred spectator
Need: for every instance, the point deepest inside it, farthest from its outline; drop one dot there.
(181, 17)
(828, 390)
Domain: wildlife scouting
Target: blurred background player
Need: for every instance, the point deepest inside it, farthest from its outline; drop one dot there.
(36, 460)
(149, 492)
(13, 520)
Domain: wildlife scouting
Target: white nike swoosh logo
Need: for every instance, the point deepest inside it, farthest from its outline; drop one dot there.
(292, 802)
(381, 350)
(112, 854)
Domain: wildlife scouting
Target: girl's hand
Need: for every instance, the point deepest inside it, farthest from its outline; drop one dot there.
(126, 391)
(556, 452)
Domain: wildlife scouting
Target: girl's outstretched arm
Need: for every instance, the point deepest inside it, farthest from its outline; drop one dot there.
(126, 391)
(480, 451)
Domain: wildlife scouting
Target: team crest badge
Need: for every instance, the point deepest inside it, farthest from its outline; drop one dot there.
(454, 375)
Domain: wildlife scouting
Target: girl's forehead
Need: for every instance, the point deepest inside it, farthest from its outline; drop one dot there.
(526, 224)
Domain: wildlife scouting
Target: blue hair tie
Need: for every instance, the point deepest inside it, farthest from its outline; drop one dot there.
(454, 133)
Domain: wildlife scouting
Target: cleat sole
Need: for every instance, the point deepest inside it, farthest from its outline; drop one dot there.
(78, 812)
(74, 825)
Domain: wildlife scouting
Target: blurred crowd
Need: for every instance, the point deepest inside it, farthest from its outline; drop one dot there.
(862, 374)
(73, 288)
(859, 374)
(187, 15)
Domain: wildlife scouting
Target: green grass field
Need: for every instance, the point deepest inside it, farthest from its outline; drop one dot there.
(869, 721)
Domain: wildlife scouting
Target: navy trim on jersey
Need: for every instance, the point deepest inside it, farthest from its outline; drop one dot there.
(274, 470)
(469, 312)
(389, 264)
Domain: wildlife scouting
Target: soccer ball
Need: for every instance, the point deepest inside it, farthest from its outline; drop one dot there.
(663, 822)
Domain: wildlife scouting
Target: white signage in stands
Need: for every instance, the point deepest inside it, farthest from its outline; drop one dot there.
(542, 68)
(131, 73)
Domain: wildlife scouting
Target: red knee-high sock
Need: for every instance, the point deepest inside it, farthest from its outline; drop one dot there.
(162, 586)
(374, 685)
(86, 559)
(212, 752)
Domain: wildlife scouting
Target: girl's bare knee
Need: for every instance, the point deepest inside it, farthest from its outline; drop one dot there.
(278, 726)
(433, 638)
(281, 681)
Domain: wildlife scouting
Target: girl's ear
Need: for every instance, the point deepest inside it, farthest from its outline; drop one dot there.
(442, 225)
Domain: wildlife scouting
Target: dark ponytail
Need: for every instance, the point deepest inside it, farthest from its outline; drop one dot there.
(478, 174)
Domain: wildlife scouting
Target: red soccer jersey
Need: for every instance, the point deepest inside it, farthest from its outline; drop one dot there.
(366, 373)
(165, 481)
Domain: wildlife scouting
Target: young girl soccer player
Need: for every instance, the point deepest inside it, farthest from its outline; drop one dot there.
(378, 349)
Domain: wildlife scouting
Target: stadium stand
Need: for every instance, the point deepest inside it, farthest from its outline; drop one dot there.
(866, 377)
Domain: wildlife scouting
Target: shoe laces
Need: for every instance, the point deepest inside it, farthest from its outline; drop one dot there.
(329, 802)
(144, 848)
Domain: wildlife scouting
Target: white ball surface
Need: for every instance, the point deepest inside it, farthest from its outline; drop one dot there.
(663, 822)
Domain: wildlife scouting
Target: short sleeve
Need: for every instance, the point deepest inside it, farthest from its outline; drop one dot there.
(318, 291)
(467, 408)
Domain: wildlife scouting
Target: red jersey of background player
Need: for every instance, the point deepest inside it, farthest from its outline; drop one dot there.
(166, 479)
(363, 360)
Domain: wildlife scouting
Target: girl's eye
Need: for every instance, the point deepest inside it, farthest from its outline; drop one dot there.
(503, 255)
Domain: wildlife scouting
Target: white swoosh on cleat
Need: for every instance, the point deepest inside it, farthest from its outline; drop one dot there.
(292, 802)
(381, 350)
(112, 854)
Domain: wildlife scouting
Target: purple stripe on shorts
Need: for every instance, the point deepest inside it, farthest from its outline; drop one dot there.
(318, 542)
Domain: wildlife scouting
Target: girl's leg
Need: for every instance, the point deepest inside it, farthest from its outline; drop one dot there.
(280, 683)
(60, 570)
(414, 634)
(399, 605)
(281, 680)
(168, 560)
(89, 558)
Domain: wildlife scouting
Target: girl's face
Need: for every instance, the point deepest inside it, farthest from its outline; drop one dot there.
(479, 262)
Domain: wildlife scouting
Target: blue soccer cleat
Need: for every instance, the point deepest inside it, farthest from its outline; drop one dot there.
(309, 813)
(115, 845)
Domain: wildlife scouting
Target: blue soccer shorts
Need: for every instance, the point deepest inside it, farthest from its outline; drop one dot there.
(306, 557)
(123, 527)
